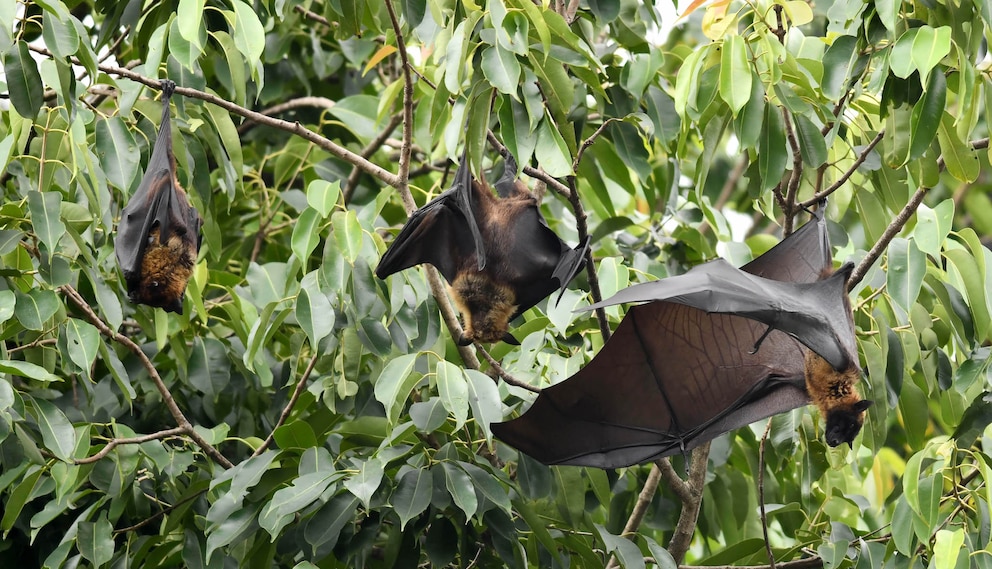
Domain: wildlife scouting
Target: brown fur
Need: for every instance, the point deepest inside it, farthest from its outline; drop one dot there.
(484, 298)
(165, 271)
(486, 306)
(836, 395)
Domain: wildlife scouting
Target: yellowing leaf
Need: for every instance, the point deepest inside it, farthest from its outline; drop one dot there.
(383, 52)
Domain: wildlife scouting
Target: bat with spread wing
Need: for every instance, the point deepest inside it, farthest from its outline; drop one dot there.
(712, 350)
(497, 253)
(158, 237)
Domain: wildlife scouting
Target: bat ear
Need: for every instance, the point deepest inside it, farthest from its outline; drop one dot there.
(862, 405)
(509, 339)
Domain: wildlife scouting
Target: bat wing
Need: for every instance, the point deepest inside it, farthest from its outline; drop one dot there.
(670, 378)
(539, 261)
(799, 258)
(814, 313)
(153, 203)
(674, 375)
(443, 233)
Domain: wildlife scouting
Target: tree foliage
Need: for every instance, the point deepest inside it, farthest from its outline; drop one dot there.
(302, 413)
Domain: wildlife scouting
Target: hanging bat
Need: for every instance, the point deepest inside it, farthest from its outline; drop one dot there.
(497, 253)
(713, 350)
(158, 237)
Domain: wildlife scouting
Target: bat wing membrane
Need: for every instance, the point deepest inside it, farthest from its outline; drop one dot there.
(674, 375)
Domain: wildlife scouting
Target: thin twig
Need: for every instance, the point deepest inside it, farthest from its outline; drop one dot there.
(503, 374)
(640, 508)
(583, 230)
(847, 174)
(797, 173)
(761, 494)
(290, 404)
(352, 182)
(296, 128)
(899, 222)
(181, 421)
(177, 431)
(292, 104)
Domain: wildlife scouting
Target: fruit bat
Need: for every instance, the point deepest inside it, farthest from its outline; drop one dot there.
(497, 253)
(158, 237)
(711, 350)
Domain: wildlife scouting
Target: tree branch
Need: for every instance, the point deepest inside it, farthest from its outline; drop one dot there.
(112, 443)
(899, 222)
(296, 128)
(761, 494)
(640, 507)
(682, 537)
(290, 404)
(503, 374)
(183, 423)
(847, 174)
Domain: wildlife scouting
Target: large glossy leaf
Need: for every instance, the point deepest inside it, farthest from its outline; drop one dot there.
(735, 73)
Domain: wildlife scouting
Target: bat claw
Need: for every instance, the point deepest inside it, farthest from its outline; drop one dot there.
(463, 341)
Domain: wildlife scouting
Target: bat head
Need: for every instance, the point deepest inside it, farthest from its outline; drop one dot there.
(844, 423)
(486, 306)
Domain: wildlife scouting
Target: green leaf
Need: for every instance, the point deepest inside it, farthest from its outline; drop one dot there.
(7, 302)
(83, 342)
(452, 386)
(295, 434)
(459, 485)
(735, 73)
(366, 481)
(189, 20)
(772, 152)
(286, 502)
(394, 384)
(347, 233)
(249, 35)
(901, 56)
(27, 369)
(606, 10)
(947, 547)
(60, 35)
(35, 308)
(324, 528)
(959, 157)
(926, 116)
(323, 195)
(24, 83)
(238, 526)
(907, 267)
(18, 497)
(811, 143)
(551, 151)
(484, 399)
(56, 430)
(45, 208)
(625, 550)
(412, 495)
(502, 69)
(95, 540)
(306, 235)
(837, 66)
(487, 485)
(929, 47)
(314, 311)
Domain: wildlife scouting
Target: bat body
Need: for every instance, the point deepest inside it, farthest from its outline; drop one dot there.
(496, 251)
(158, 237)
(711, 351)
